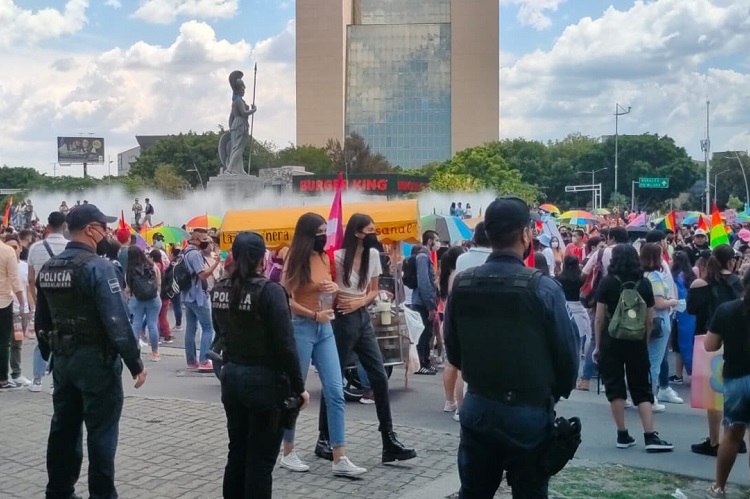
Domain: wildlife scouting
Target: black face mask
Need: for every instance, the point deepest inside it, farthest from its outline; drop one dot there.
(370, 241)
(320, 243)
(103, 247)
(203, 245)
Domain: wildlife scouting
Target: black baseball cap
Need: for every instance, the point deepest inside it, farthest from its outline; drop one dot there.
(508, 213)
(248, 242)
(86, 214)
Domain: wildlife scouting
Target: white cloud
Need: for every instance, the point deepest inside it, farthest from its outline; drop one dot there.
(140, 90)
(28, 26)
(534, 12)
(663, 64)
(115, 4)
(167, 11)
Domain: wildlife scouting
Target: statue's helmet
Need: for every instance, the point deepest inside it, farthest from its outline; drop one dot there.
(235, 81)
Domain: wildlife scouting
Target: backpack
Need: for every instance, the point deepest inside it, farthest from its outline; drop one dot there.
(149, 209)
(143, 283)
(590, 285)
(182, 274)
(410, 272)
(169, 287)
(629, 320)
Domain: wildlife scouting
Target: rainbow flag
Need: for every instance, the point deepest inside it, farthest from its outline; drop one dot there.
(670, 221)
(6, 218)
(707, 381)
(718, 231)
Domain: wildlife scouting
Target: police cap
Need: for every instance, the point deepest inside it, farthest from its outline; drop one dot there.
(86, 214)
(507, 213)
(250, 243)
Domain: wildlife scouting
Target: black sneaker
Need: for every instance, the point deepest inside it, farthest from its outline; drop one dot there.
(656, 444)
(624, 440)
(705, 448)
(677, 380)
(743, 448)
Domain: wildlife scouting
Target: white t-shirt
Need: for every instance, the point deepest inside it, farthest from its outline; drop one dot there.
(38, 254)
(472, 258)
(606, 259)
(374, 269)
(23, 273)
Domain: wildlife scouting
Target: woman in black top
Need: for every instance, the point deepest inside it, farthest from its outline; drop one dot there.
(717, 286)
(616, 357)
(729, 326)
(252, 316)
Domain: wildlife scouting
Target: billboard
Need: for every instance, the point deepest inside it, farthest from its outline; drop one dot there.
(368, 183)
(80, 150)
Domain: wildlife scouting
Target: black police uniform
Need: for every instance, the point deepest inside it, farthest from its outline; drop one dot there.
(82, 318)
(261, 370)
(508, 329)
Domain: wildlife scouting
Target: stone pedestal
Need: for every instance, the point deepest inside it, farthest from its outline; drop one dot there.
(241, 186)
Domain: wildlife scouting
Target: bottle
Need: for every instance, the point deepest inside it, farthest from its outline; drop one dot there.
(385, 312)
(17, 328)
(326, 303)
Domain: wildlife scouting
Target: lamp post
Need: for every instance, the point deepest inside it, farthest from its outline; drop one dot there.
(747, 191)
(716, 181)
(593, 183)
(619, 111)
(200, 179)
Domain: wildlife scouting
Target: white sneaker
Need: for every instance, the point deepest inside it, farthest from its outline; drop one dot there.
(628, 403)
(51, 389)
(22, 381)
(657, 407)
(669, 395)
(144, 346)
(456, 417)
(292, 462)
(36, 386)
(450, 406)
(347, 468)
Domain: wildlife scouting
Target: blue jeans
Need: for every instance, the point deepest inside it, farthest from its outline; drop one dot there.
(589, 367)
(737, 401)
(39, 366)
(177, 309)
(496, 437)
(316, 342)
(657, 349)
(148, 309)
(195, 314)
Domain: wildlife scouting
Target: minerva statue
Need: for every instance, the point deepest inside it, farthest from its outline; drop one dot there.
(232, 144)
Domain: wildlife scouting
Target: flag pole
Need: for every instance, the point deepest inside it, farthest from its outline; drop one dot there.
(252, 119)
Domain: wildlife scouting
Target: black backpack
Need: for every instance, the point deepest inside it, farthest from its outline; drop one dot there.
(169, 287)
(182, 274)
(410, 272)
(149, 209)
(143, 283)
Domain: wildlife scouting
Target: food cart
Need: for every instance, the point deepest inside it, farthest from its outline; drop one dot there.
(395, 222)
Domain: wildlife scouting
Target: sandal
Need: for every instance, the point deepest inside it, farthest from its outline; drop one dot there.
(426, 370)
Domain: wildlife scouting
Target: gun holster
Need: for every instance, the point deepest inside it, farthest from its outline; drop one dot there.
(561, 446)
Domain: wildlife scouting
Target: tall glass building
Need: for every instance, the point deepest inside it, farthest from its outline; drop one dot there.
(418, 79)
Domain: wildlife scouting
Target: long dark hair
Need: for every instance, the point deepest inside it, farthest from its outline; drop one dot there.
(297, 267)
(625, 264)
(681, 267)
(571, 269)
(136, 261)
(245, 266)
(447, 266)
(721, 256)
(354, 226)
(540, 262)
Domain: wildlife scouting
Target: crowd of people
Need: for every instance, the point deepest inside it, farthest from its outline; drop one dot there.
(625, 304)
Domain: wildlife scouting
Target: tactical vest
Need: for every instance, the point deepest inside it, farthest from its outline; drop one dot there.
(65, 284)
(243, 329)
(500, 322)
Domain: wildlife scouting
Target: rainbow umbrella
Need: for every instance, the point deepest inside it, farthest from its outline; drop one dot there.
(172, 235)
(693, 217)
(204, 222)
(742, 218)
(577, 217)
(602, 211)
(140, 241)
(550, 208)
(451, 229)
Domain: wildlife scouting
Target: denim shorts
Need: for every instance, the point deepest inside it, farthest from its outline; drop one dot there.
(737, 401)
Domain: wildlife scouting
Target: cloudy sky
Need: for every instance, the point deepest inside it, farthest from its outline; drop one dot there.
(117, 68)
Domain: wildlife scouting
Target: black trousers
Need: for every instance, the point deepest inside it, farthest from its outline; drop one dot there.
(251, 402)
(354, 334)
(88, 390)
(6, 333)
(425, 339)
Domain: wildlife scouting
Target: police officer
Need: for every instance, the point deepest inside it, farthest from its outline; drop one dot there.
(261, 381)
(82, 318)
(508, 329)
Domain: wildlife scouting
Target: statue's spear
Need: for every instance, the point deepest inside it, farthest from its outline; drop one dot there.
(252, 119)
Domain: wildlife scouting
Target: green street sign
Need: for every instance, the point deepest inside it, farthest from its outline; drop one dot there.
(653, 183)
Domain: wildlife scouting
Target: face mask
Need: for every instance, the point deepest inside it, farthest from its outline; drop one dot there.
(320, 243)
(370, 241)
(103, 247)
(159, 244)
(555, 244)
(203, 245)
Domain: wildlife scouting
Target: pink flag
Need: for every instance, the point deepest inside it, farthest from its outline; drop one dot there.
(335, 230)
(639, 221)
(707, 382)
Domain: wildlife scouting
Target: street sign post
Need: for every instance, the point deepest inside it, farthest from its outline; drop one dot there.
(653, 183)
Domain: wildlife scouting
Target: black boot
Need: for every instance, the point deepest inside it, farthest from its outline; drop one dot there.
(323, 448)
(393, 450)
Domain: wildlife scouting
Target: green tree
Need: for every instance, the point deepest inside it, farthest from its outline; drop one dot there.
(455, 182)
(735, 203)
(168, 181)
(314, 159)
(356, 156)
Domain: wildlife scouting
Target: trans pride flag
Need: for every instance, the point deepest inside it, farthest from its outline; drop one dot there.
(707, 382)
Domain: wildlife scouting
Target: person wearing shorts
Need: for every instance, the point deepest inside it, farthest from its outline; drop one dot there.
(729, 328)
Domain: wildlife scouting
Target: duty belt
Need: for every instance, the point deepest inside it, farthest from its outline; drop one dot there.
(513, 397)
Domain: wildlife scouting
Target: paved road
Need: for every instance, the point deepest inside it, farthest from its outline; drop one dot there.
(173, 438)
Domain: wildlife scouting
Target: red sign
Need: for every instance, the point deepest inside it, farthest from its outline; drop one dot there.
(383, 183)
